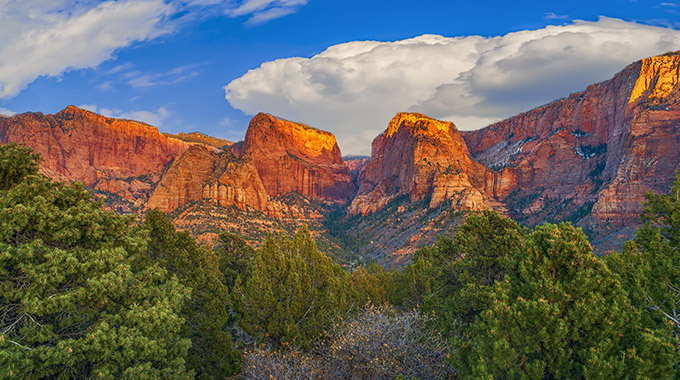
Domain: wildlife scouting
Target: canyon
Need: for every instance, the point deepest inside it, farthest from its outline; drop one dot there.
(588, 159)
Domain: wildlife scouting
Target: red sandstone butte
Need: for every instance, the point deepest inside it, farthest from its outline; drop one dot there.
(80, 145)
(292, 157)
(425, 158)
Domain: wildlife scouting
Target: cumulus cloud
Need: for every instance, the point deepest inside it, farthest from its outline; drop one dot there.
(353, 89)
(155, 118)
(49, 37)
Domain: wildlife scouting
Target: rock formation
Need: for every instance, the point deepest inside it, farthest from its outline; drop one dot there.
(593, 156)
(424, 158)
(203, 174)
(197, 137)
(588, 158)
(292, 157)
(80, 145)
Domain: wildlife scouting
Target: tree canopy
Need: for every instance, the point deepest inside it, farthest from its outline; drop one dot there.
(74, 300)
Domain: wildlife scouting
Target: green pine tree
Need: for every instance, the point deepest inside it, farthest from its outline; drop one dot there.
(561, 313)
(235, 257)
(212, 354)
(294, 293)
(75, 299)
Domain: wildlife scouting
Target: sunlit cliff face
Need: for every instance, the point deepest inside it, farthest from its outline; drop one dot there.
(660, 75)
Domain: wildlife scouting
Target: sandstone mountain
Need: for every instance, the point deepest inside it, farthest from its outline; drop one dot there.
(292, 157)
(591, 157)
(425, 158)
(588, 158)
(123, 158)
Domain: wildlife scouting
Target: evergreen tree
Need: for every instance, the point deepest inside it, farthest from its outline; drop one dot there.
(561, 313)
(363, 287)
(16, 163)
(294, 292)
(455, 277)
(650, 264)
(207, 311)
(75, 301)
(235, 257)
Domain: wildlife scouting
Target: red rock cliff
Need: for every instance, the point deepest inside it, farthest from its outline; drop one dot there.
(79, 145)
(294, 157)
(595, 153)
(201, 173)
(422, 157)
(219, 178)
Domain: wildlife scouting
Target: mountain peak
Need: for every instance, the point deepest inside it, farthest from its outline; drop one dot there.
(295, 157)
(412, 119)
(659, 77)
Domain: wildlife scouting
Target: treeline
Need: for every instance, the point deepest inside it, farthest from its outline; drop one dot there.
(87, 293)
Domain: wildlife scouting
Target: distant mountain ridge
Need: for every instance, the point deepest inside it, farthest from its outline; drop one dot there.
(588, 159)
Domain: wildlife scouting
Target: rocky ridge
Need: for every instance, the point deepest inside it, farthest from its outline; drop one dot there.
(588, 158)
(591, 157)
(293, 157)
(425, 158)
(123, 158)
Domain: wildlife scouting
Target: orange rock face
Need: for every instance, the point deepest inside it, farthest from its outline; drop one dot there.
(203, 174)
(79, 145)
(292, 157)
(425, 158)
(592, 157)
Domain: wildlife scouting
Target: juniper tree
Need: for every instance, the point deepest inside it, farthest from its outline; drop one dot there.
(212, 354)
(294, 292)
(74, 300)
(561, 313)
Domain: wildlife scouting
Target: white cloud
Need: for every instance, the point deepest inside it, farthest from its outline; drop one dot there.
(261, 11)
(353, 89)
(554, 16)
(6, 112)
(174, 76)
(49, 37)
(155, 118)
(226, 122)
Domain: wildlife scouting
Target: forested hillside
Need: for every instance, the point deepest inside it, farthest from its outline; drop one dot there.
(88, 293)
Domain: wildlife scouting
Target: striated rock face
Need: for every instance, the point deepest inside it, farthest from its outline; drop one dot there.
(292, 157)
(425, 159)
(591, 157)
(588, 158)
(197, 137)
(79, 145)
(205, 174)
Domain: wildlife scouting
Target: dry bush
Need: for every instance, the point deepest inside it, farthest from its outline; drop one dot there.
(377, 344)
(261, 363)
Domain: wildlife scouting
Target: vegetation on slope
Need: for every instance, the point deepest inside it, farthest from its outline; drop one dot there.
(88, 293)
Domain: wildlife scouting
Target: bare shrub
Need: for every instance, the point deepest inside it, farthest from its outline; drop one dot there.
(379, 343)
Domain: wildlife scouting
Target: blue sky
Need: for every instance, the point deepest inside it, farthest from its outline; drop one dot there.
(343, 66)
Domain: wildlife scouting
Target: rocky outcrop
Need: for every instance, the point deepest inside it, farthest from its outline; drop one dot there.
(197, 137)
(221, 178)
(79, 145)
(424, 158)
(205, 174)
(591, 157)
(292, 157)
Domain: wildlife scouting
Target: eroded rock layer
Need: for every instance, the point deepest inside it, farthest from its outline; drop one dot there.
(292, 157)
(80, 145)
(425, 158)
(591, 157)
